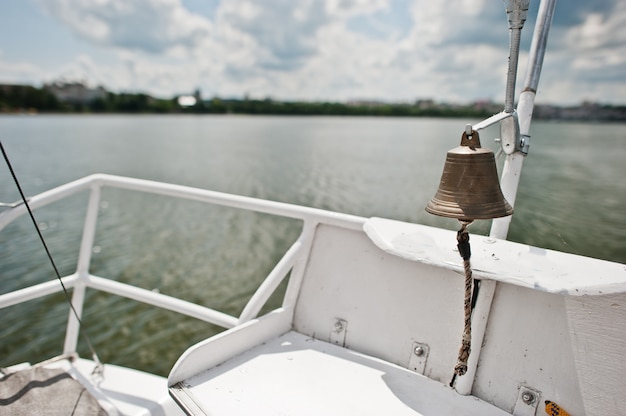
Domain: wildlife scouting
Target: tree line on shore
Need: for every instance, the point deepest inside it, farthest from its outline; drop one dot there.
(40, 100)
(29, 99)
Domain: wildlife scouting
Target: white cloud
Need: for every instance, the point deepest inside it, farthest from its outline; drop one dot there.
(311, 49)
(19, 72)
(593, 56)
(346, 8)
(81, 68)
(599, 30)
(283, 34)
(153, 26)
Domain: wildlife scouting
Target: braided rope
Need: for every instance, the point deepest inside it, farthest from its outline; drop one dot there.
(464, 351)
(554, 409)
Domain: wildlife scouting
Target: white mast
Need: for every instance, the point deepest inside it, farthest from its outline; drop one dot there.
(512, 169)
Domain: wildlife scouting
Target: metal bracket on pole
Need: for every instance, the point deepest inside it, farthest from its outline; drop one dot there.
(510, 138)
(524, 144)
(510, 134)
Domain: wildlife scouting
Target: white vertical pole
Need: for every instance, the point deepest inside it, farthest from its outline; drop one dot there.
(509, 183)
(512, 170)
(82, 270)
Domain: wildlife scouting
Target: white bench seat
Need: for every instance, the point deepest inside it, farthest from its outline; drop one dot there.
(294, 374)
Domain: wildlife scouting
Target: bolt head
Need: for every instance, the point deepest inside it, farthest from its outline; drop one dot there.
(419, 351)
(528, 397)
(339, 326)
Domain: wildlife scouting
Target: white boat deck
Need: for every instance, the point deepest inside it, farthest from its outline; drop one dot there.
(119, 387)
(295, 374)
(118, 393)
(361, 295)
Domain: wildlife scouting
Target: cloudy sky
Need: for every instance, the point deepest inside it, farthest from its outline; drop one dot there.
(390, 50)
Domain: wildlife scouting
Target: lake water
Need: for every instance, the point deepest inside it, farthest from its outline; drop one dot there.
(572, 197)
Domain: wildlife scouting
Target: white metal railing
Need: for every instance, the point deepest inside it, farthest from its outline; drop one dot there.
(293, 261)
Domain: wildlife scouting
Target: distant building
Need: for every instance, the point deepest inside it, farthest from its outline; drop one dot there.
(190, 100)
(75, 92)
(425, 104)
(187, 101)
(365, 103)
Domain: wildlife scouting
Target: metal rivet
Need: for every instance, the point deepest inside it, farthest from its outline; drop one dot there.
(338, 326)
(528, 397)
(419, 351)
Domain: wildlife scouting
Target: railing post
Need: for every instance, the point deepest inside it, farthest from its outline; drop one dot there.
(271, 282)
(82, 270)
(297, 272)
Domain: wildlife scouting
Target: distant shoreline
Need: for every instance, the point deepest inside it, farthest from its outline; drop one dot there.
(75, 98)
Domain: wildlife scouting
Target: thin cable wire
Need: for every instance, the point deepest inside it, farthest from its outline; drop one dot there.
(54, 266)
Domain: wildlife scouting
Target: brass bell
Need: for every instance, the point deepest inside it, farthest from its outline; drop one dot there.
(469, 188)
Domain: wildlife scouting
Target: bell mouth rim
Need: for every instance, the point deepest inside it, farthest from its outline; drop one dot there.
(487, 212)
